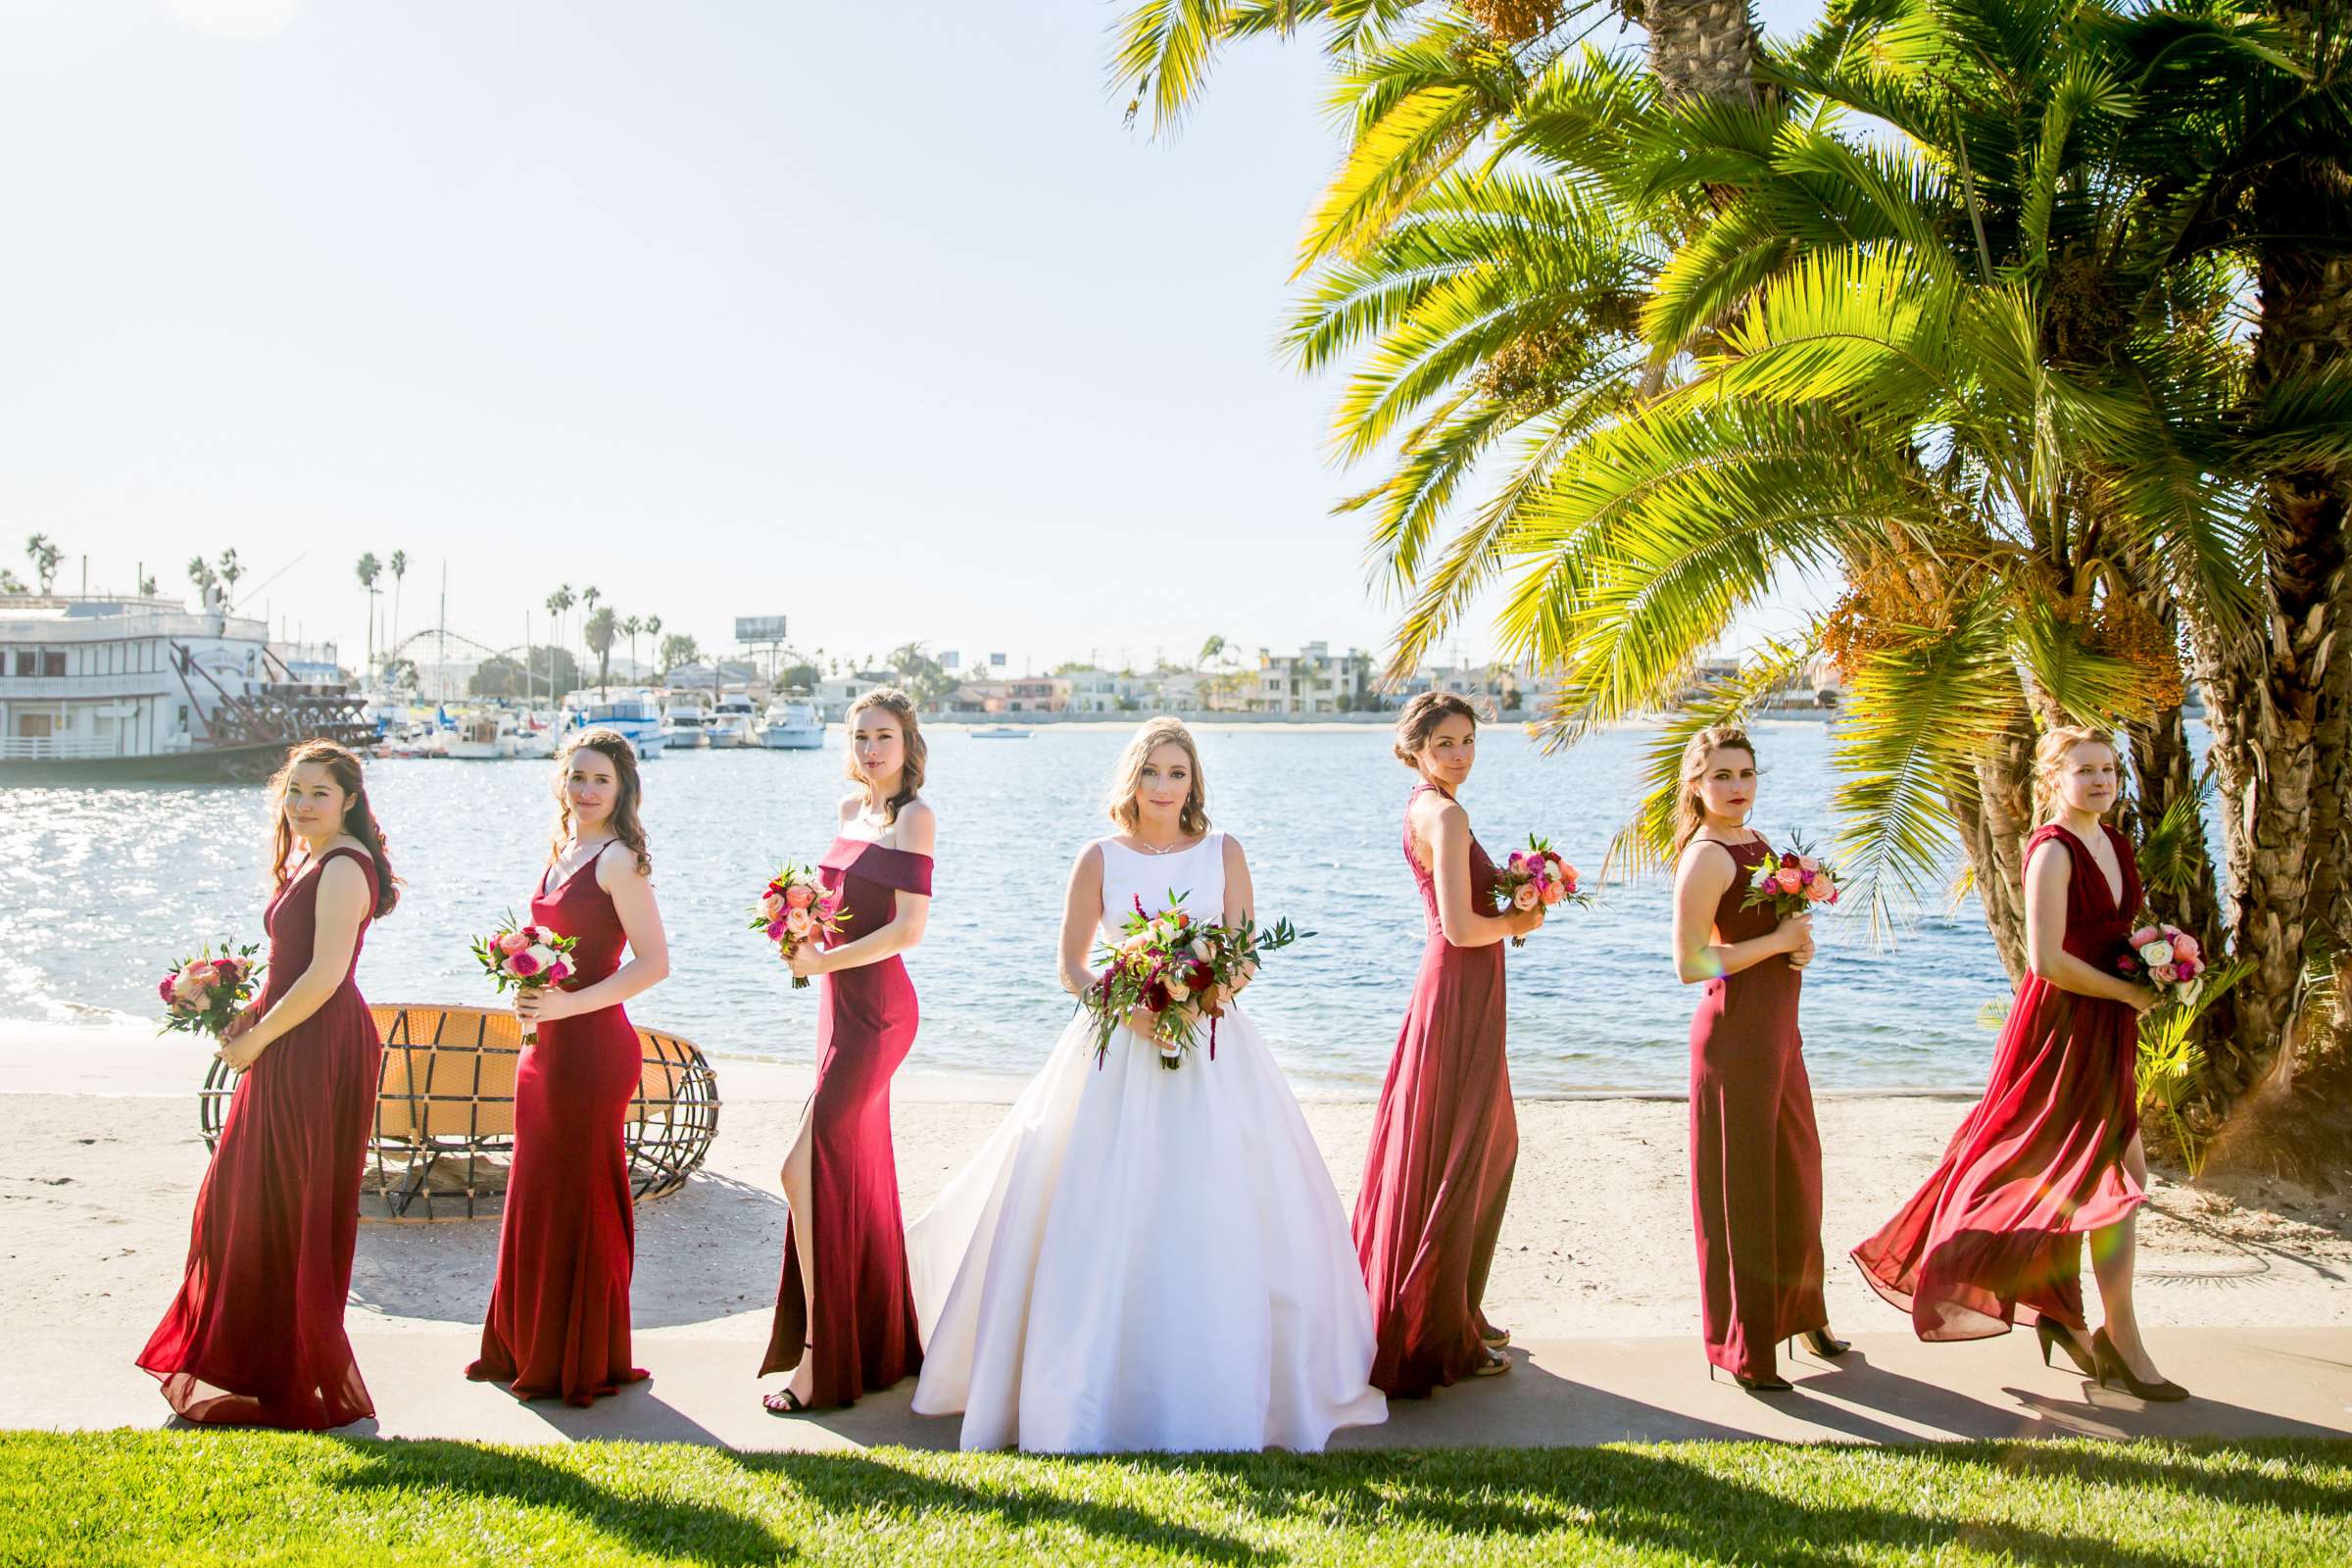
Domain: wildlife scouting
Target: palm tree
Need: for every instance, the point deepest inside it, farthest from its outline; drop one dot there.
(556, 604)
(147, 585)
(679, 649)
(400, 569)
(44, 553)
(598, 633)
(369, 570)
(230, 571)
(202, 577)
(629, 628)
(588, 598)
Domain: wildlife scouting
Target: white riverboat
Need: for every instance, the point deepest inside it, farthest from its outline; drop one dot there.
(143, 685)
(791, 724)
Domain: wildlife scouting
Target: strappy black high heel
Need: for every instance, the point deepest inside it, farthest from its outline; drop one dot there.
(1824, 1344)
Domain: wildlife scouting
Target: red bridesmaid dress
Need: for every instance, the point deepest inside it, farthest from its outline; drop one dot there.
(255, 1336)
(864, 1330)
(1445, 1143)
(2038, 1163)
(559, 1317)
(1756, 1157)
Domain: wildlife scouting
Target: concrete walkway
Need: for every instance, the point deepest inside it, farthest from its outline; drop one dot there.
(1892, 1389)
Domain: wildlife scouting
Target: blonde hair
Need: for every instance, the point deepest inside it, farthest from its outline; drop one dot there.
(1420, 720)
(1689, 816)
(1128, 777)
(622, 822)
(2049, 761)
(900, 706)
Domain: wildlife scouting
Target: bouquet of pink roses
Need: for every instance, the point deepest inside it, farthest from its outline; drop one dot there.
(2167, 960)
(202, 994)
(1791, 882)
(794, 909)
(526, 957)
(1176, 969)
(1535, 875)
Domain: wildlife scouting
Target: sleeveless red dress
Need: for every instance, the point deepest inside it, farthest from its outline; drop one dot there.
(1445, 1143)
(1756, 1157)
(2038, 1163)
(558, 1316)
(255, 1336)
(863, 1329)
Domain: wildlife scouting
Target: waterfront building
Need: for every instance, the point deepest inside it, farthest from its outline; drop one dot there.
(1314, 680)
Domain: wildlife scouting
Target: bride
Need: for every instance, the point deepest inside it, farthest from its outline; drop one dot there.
(1140, 1258)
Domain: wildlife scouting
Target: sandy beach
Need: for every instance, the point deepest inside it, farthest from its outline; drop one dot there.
(102, 1161)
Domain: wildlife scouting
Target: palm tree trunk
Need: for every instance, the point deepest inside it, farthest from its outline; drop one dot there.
(1706, 48)
(1995, 812)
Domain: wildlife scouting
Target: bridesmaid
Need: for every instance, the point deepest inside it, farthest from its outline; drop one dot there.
(559, 1317)
(845, 1312)
(1755, 1158)
(255, 1337)
(2052, 1151)
(1444, 1140)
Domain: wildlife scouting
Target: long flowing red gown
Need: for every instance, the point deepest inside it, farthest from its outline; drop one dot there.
(863, 1335)
(1445, 1143)
(558, 1316)
(1756, 1157)
(255, 1336)
(1997, 1229)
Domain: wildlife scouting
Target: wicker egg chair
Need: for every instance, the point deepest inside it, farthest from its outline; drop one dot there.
(445, 1113)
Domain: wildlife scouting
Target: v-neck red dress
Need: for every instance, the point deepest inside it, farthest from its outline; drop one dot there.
(255, 1336)
(1997, 1230)
(861, 1332)
(557, 1324)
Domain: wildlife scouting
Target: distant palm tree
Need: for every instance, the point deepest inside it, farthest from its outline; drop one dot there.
(11, 583)
(200, 573)
(147, 585)
(43, 553)
(588, 598)
(598, 633)
(230, 569)
(629, 628)
(400, 568)
(369, 570)
(557, 603)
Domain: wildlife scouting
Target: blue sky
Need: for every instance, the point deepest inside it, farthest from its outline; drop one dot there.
(871, 314)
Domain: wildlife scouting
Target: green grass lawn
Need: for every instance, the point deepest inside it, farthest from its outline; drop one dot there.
(143, 1498)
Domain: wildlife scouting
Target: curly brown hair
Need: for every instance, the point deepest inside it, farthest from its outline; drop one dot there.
(342, 765)
(615, 748)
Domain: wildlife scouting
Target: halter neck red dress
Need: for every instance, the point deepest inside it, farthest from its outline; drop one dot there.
(559, 1317)
(1755, 1155)
(255, 1336)
(2038, 1163)
(1445, 1143)
(863, 1332)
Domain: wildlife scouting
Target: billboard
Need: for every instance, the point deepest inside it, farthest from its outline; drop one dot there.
(759, 628)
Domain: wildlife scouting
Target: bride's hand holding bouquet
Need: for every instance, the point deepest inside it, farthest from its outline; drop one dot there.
(1169, 971)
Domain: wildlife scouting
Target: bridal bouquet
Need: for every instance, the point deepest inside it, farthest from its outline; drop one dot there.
(201, 995)
(795, 908)
(1535, 875)
(2167, 960)
(1176, 969)
(526, 957)
(1791, 882)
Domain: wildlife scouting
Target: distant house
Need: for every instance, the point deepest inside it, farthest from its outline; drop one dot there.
(836, 692)
(1314, 680)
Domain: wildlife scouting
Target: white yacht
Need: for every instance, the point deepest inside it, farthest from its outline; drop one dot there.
(485, 735)
(686, 724)
(636, 715)
(735, 722)
(791, 724)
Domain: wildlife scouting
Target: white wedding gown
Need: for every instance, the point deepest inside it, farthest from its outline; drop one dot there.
(1145, 1260)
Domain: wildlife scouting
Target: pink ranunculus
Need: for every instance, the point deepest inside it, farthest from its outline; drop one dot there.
(1806, 862)
(826, 908)
(1790, 879)
(523, 965)
(1526, 898)
(2185, 945)
(2164, 974)
(798, 922)
(1818, 890)
(557, 972)
(775, 929)
(800, 896)
(2147, 934)
(1553, 893)
(511, 942)
(1516, 860)
(772, 905)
